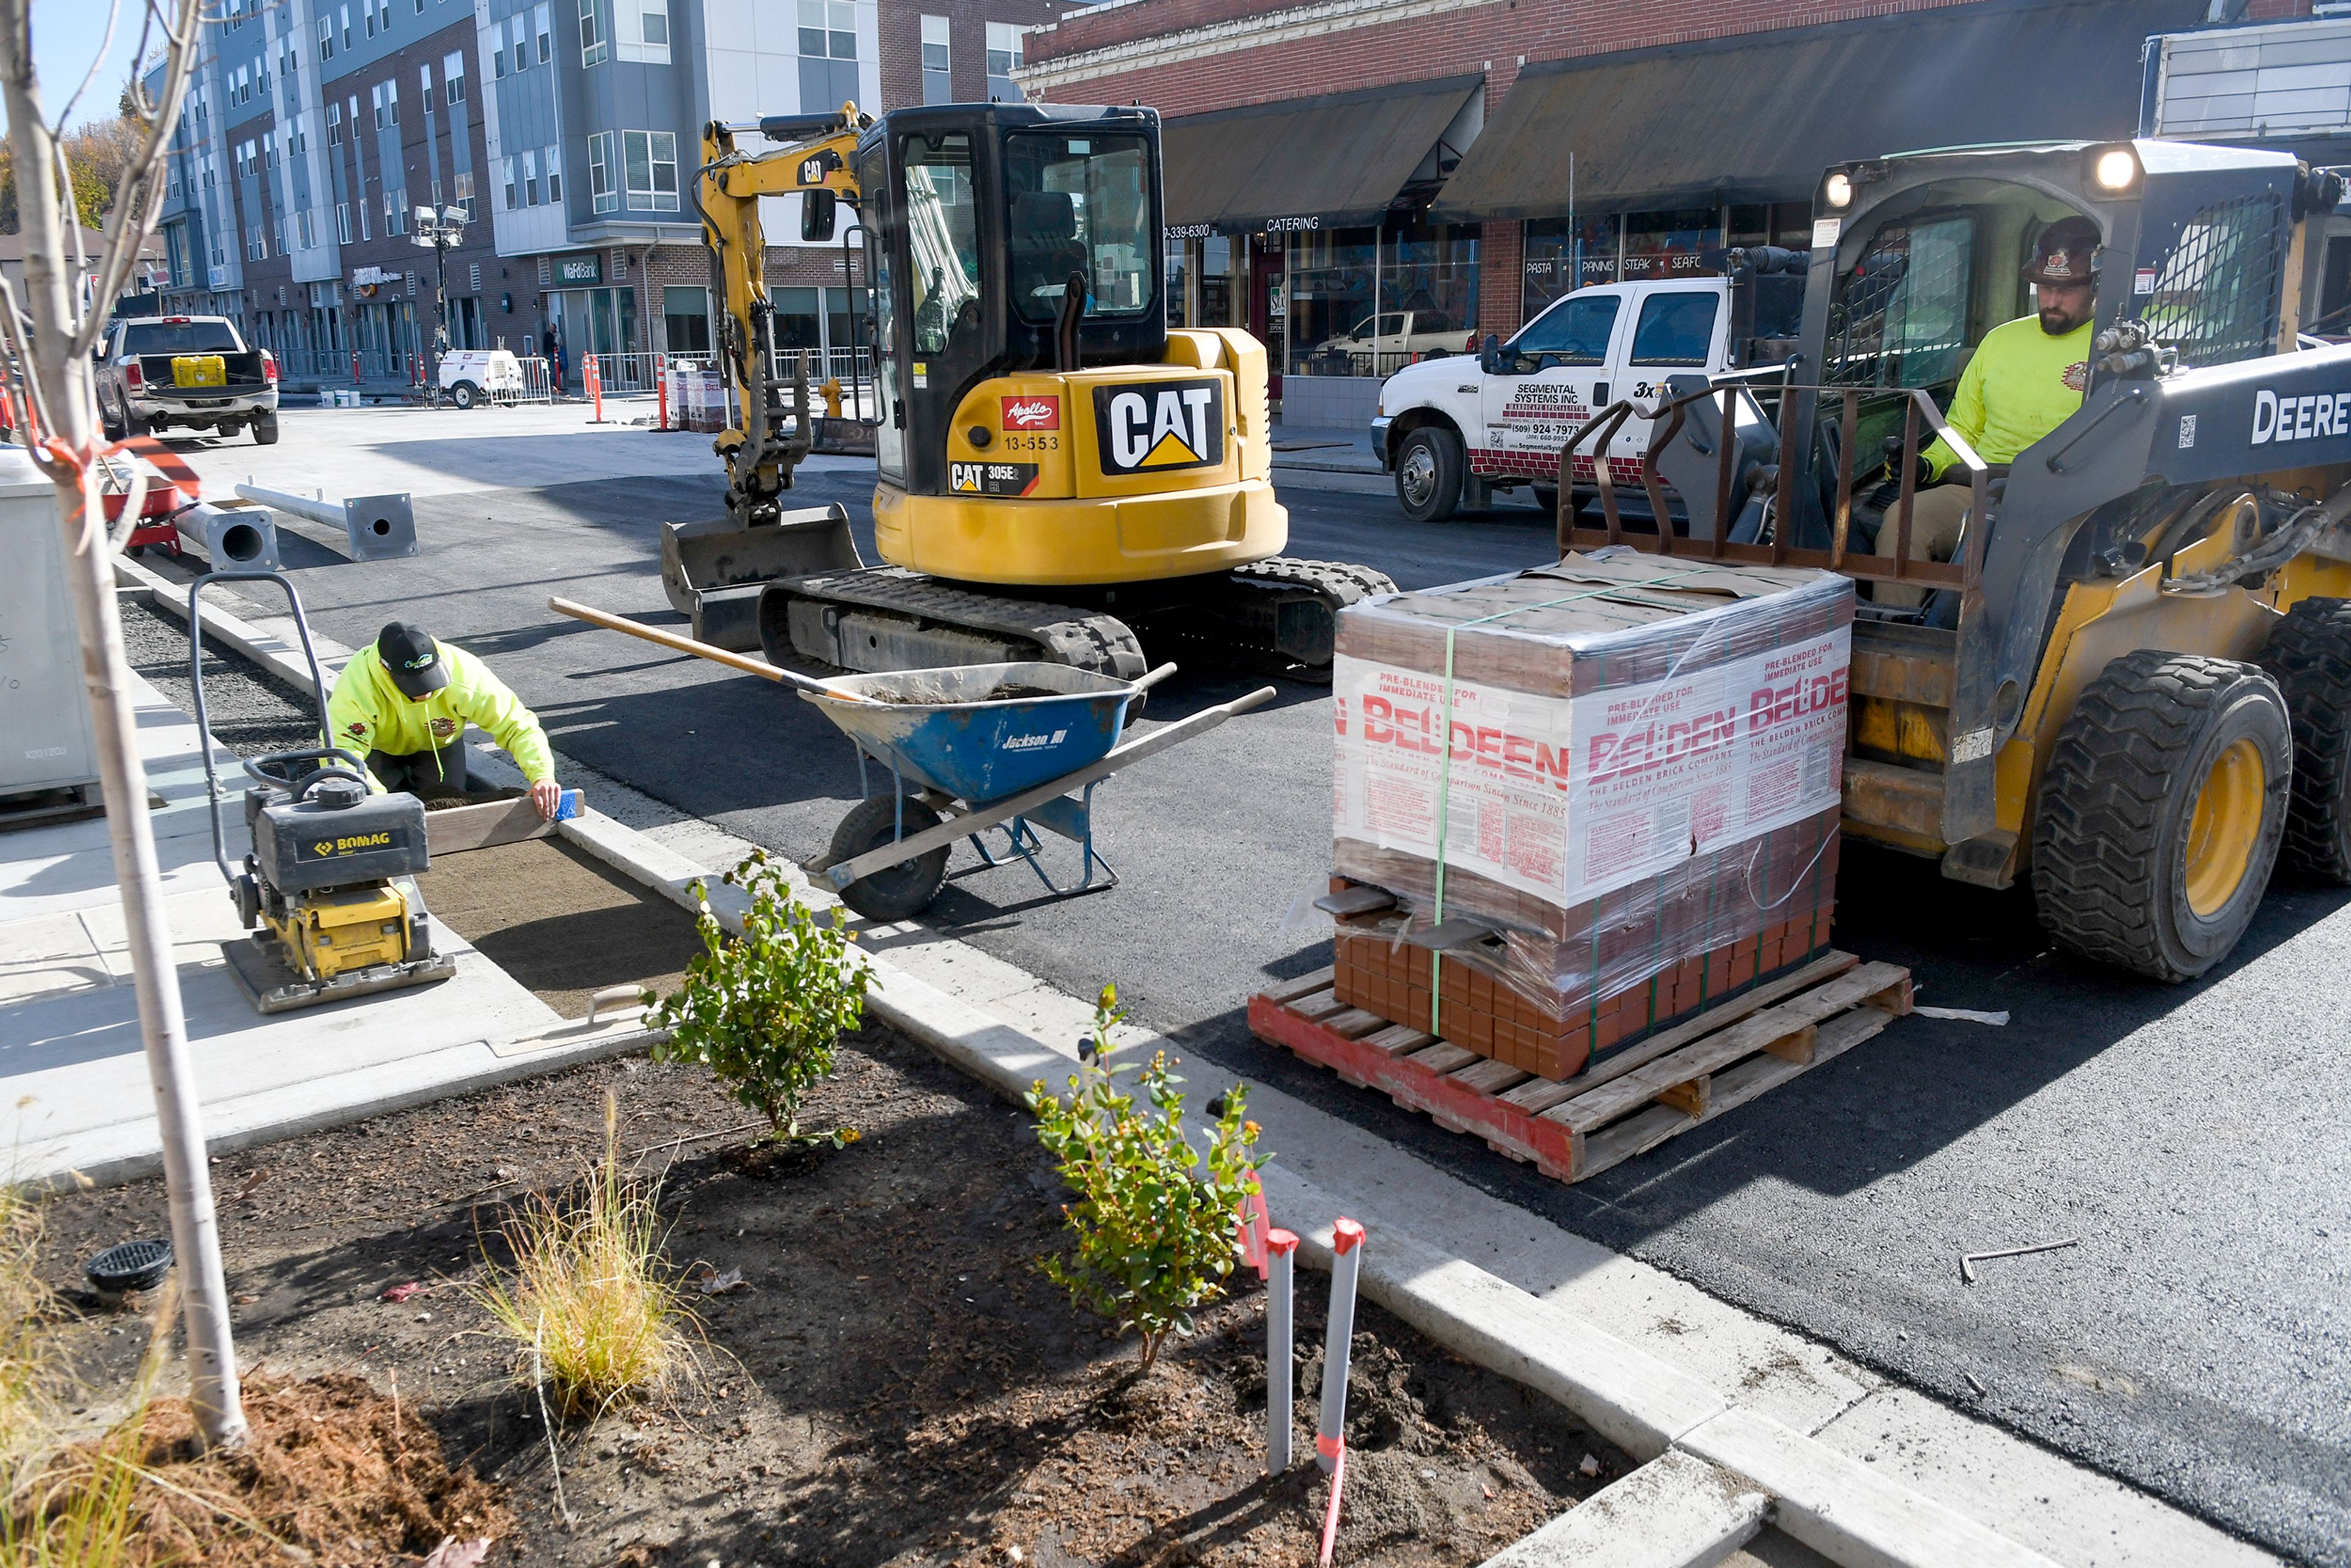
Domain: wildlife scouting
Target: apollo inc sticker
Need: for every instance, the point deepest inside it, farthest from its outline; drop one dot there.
(1158, 426)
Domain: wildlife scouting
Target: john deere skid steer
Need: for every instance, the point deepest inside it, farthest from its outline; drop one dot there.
(2131, 683)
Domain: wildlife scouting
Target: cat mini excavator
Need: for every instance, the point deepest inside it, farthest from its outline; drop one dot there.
(1060, 477)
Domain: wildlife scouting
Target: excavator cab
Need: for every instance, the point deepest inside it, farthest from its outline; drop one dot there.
(1005, 238)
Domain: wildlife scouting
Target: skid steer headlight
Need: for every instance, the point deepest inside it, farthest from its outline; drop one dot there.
(1837, 190)
(2115, 169)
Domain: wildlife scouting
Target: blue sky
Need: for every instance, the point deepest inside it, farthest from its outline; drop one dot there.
(66, 34)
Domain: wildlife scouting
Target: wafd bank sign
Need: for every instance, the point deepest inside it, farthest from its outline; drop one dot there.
(1152, 427)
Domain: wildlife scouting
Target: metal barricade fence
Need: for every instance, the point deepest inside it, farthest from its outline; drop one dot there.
(537, 379)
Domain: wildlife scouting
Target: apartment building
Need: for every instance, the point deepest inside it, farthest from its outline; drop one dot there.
(567, 130)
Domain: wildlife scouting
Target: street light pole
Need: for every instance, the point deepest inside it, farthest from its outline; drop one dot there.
(443, 227)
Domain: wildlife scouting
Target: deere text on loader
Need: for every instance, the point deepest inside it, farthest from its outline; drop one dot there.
(2131, 684)
(1060, 477)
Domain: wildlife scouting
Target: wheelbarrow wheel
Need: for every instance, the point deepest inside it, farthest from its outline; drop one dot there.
(898, 892)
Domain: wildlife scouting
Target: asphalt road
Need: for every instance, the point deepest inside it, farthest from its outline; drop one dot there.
(2196, 1138)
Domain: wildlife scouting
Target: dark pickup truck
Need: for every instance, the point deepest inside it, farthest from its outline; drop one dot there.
(193, 372)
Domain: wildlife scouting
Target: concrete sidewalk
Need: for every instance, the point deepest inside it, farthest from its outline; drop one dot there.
(1310, 450)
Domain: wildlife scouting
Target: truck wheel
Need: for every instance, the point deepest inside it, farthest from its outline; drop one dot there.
(1429, 474)
(1547, 497)
(2161, 811)
(110, 426)
(265, 430)
(2310, 657)
(464, 394)
(898, 892)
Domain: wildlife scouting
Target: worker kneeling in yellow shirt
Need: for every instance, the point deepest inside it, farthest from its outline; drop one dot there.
(402, 705)
(2025, 380)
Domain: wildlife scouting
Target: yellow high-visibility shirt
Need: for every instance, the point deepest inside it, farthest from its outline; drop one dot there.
(367, 712)
(2021, 384)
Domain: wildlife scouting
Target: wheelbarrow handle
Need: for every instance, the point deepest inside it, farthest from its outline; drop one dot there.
(761, 667)
(1155, 676)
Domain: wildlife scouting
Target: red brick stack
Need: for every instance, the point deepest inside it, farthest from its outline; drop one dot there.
(1640, 807)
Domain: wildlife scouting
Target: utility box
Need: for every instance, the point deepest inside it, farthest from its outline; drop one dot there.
(46, 741)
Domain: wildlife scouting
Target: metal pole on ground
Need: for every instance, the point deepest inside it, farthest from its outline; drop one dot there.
(1281, 1250)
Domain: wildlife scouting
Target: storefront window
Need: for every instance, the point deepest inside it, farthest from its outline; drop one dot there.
(1564, 257)
(1173, 288)
(685, 320)
(1217, 281)
(1367, 302)
(1684, 244)
(1786, 223)
(797, 319)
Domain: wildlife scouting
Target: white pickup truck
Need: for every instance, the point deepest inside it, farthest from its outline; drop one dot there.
(195, 372)
(1454, 431)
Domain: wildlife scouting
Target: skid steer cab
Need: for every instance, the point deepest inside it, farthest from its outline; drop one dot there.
(2130, 681)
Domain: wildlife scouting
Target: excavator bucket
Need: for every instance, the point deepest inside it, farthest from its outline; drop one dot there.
(714, 570)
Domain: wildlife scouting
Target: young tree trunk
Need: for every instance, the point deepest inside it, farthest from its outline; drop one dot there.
(60, 364)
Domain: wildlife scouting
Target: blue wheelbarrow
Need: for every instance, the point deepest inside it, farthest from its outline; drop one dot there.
(983, 747)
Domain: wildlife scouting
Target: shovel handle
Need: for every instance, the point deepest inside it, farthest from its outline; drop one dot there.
(727, 656)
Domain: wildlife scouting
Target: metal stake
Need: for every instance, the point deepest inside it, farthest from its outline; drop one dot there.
(1281, 1248)
(1346, 1250)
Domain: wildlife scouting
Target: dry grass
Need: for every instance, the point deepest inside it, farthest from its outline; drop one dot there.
(25, 1307)
(592, 1307)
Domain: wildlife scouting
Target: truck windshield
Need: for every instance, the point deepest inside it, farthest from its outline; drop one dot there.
(178, 337)
(1080, 204)
(943, 236)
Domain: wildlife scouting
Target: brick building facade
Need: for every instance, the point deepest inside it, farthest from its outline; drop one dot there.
(1602, 139)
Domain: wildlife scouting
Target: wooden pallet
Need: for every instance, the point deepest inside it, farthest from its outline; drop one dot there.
(1624, 1104)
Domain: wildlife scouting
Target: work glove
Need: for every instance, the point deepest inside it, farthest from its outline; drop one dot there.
(1922, 471)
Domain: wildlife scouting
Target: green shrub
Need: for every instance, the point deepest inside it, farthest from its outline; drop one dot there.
(764, 1010)
(1154, 1220)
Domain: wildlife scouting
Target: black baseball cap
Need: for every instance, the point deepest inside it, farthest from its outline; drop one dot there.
(412, 659)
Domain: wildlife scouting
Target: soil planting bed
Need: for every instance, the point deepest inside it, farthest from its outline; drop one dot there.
(892, 1382)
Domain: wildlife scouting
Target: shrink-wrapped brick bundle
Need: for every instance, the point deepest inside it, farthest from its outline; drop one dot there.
(1637, 797)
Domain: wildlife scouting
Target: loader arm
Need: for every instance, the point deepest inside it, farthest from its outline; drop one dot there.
(811, 152)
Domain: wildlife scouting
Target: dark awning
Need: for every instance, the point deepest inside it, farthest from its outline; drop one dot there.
(1757, 117)
(1307, 162)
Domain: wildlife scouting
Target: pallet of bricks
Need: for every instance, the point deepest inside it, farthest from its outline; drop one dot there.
(1597, 912)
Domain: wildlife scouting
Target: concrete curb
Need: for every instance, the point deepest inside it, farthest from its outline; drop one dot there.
(1675, 1511)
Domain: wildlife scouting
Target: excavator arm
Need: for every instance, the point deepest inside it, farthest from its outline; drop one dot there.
(812, 153)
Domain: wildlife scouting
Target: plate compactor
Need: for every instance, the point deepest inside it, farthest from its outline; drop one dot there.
(328, 891)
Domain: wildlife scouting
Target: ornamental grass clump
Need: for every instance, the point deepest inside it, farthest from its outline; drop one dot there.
(1153, 1228)
(764, 1011)
(595, 1315)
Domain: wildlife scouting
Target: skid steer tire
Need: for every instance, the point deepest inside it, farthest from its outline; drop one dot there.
(898, 892)
(2161, 811)
(2309, 656)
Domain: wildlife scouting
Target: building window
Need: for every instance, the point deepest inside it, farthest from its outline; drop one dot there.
(828, 54)
(542, 19)
(346, 12)
(530, 179)
(1367, 302)
(386, 96)
(1683, 244)
(513, 189)
(685, 321)
(363, 218)
(519, 40)
(270, 149)
(591, 35)
(453, 77)
(654, 21)
(326, 38)
(936, 88)
(1005, 53)
(652, 159)
(554, 156)
(425, 85)
(602, 196)
(464, 188)
(343, 221)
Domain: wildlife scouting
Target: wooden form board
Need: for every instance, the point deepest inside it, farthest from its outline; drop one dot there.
(463, 828)
(1624, 1104)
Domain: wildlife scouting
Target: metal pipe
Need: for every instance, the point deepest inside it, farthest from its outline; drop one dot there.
(318, 508)
(1281, 1253)
(1346, 1259)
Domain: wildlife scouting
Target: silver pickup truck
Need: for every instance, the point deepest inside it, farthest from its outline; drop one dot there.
(192, 373)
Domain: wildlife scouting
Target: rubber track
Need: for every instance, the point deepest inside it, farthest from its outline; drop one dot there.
(1336, 582)
(2099, 849)
(2310, 656)
(1081, 639)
